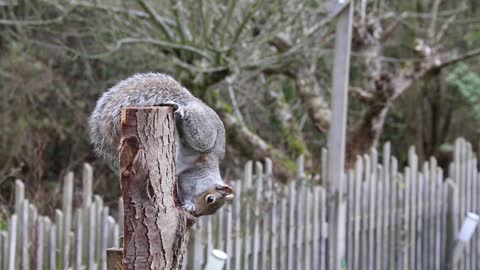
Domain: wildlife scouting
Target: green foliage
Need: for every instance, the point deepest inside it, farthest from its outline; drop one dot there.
(293, 143)
(467, 83)
(289, 91)
(3, 225)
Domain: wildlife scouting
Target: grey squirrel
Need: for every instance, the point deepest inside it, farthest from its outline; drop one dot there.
(200, 136)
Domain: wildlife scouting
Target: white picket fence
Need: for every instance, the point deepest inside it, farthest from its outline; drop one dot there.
(74, 239)
(403, 219)
(396, 219)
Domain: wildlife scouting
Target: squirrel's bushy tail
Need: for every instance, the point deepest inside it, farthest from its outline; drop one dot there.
(104, 135)
(146, 89)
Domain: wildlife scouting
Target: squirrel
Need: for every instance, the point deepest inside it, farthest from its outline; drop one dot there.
(199, 136)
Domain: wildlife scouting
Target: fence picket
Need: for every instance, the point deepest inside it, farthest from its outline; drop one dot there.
(18, 207)
(46, 242)
(4, 250)
(387, 208)
(267, 179)
(256, 221)
(308, 229)
(478, 211)
(229, 237)
(432, 182)
(419, 222)
(448, 193)
(273, 225)
(413, 164)
(456, 178)
(299, 228)
(396, 204)
(87, 182)
(220, 228)
(438, 213)
(371, 217)
(316, 227)
(247, 238)
(324, 229)
(104, 238)
(12, 241)
(350, 217)
(91, 237)
(291, 225)
(406, 222)
(53, 247)
(468, 196)
(238, 226)
(356, 215)
(475, 209)
(283, 232)
(79, 241)
(39, 247)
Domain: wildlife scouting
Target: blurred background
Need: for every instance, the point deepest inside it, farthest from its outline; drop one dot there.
(264, 66)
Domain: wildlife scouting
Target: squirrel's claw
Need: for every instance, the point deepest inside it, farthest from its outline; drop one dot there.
(189, 206)
(178, 109)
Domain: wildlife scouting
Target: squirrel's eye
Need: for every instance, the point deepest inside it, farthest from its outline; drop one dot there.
(210, 199)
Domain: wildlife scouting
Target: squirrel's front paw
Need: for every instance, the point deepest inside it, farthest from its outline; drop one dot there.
(189, 206)
(178, 108)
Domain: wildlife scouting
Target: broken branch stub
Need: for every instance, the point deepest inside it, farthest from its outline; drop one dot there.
(156, 228)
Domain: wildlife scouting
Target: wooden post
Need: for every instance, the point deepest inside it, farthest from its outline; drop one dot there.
(155, 228)
(336, 137)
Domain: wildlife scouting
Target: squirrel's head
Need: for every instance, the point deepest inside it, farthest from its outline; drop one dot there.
(211, 200)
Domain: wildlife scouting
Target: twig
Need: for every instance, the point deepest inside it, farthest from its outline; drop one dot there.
(156, 18)
(433, 22)
(236, 109)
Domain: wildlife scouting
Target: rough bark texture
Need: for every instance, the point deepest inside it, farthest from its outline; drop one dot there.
(313, 99)
(156, 229)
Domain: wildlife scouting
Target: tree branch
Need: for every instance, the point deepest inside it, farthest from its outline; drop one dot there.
(165, 44)
(312, 100)
(290, 129)
(459, 58)
(360, 94)
(156, 18)
(253, 146)
(433, 21)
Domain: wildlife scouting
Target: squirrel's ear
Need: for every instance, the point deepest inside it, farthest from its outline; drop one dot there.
(225, 189)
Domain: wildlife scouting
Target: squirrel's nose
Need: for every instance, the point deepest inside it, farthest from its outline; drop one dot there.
(226, 191)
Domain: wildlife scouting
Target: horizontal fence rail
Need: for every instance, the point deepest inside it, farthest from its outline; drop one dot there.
(397, 218)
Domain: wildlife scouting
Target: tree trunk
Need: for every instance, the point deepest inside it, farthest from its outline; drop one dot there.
(156, 229)
(367, 134)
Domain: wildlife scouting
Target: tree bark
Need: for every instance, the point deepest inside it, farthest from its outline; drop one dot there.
(313, 100)
(156, 229)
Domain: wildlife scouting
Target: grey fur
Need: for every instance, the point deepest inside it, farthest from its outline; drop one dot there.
(200, 142)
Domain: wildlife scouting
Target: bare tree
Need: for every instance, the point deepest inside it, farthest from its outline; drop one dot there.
(257, 51)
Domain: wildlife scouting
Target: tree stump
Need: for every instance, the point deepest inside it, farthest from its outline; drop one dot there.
(156, 228)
